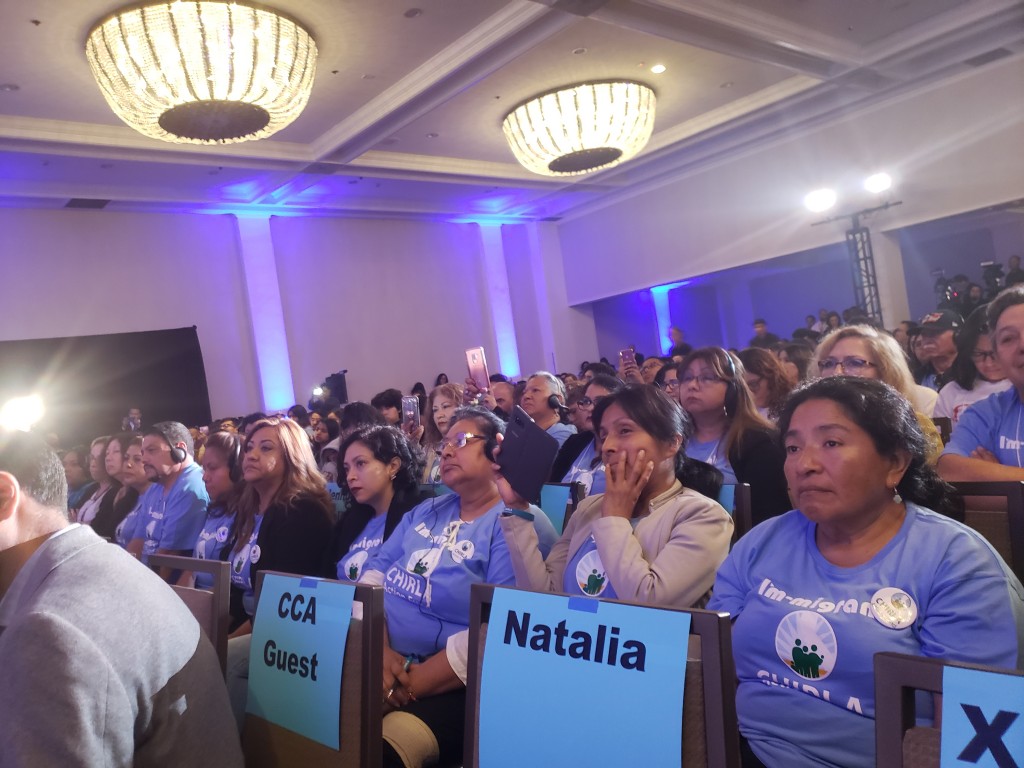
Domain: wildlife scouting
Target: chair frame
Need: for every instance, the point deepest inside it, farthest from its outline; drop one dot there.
(577, 493)
(719, 678)
(221, 573)
(1013, 492)
(742, 516)
(305, 752)
(898, 677)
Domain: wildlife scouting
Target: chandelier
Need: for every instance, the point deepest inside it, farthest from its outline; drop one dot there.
(203, 72)
(581, 128)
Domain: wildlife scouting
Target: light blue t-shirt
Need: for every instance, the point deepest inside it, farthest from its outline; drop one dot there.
(561, 432)
(429, 563)
(212, 540)
(350, 566)
(125, 530)
(805, 631)
(582, 471)
(713, 453)
(174, 519)
(995, 424)
(241, 567)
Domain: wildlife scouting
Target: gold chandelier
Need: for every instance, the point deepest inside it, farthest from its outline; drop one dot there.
(581, 128)
(203, 72)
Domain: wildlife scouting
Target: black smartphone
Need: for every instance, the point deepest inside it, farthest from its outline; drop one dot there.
(527, 453)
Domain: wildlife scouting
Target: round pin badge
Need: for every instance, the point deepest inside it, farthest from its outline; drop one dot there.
(254, 553)
(222, 534)
(893, 608)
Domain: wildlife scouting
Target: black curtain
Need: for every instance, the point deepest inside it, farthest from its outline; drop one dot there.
(88, 382)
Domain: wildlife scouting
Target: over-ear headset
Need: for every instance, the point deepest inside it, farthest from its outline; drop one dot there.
(555, 404)
(178, 455)
(235, 459)
(490, 444)
(732, 395)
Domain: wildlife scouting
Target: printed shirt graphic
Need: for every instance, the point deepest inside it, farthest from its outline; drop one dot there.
(212, 540)
(350, 567)
(586, 575)
(241, 567)
(429, 563)
(125, 530)
(806, 631)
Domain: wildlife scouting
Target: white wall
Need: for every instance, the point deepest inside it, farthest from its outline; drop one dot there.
(393, 302)
(955, 147)
(82, 273)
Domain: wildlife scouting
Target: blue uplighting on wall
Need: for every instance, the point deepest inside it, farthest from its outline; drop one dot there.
(659, 294)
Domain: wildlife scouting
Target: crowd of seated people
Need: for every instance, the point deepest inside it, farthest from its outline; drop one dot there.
(832, 430)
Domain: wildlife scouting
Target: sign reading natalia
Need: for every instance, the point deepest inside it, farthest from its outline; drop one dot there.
(298, 646)
(981, 719)
(589, 683)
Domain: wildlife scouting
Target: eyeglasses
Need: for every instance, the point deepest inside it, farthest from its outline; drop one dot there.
(587, 403)
(670, 385)
(980, 355)
(457, 441)
(703, 379)
(850, 364)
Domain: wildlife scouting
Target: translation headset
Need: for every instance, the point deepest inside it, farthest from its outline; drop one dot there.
(732, 395)
(178, 455)
(235, 459)
(555, 404)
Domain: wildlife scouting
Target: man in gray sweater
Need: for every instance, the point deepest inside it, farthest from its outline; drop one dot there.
(102, 663)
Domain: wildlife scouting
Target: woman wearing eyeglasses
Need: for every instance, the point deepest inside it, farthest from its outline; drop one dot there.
(579, 459)
(860, 350)
(729, 433)
(977, 372)
(426, 567)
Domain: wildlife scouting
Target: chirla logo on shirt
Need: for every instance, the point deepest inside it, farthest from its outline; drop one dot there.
(591, 575)
(807, 643)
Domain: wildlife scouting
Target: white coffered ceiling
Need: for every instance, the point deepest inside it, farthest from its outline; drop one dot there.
(405, 115)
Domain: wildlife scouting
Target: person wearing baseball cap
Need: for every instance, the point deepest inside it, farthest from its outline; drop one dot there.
(939, 330)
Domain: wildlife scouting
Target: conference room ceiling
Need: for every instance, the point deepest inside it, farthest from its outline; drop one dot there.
(405, 114)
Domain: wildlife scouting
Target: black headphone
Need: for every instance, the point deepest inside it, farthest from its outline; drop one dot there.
(490, 444)
(556, 405)
(732, 395)
(178, 455)
(235, 459)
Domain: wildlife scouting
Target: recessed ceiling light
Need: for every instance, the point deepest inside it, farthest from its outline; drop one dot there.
(579, 51)
(658, 69)
(412, 13)
(9, 87)
(726, 84)
(878, 183)
(368, 76)
(432, 135)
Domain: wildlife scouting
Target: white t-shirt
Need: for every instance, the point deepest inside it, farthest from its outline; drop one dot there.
(923, 399)
(954, 399)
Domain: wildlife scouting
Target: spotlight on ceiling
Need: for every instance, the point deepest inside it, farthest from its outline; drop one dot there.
(878, 183)
(581, 128)
(820, 200)
(21, 413)
(202, 72)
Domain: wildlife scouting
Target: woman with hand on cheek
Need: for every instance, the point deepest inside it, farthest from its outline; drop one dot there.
(646, 538)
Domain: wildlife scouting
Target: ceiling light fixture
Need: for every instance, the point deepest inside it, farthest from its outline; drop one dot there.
(878, 183)
(820, 200)
(658, 69)
(203, 72)
(581, 128)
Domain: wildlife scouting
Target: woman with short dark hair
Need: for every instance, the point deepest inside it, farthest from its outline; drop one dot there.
(868, 561)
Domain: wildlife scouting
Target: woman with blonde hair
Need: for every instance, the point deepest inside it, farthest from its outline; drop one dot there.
(860, 350)
(729, 433)
(442, 402)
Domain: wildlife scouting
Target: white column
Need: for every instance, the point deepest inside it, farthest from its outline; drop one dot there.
(892, 281)
(568, 334)
(266, 313)
(498, 299)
